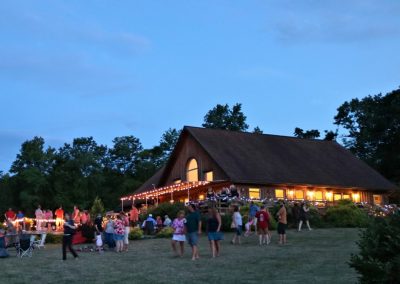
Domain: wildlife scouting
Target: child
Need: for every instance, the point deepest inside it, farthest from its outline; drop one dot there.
(179, 233)
(237, 224)
(99, 242)
(248, 227)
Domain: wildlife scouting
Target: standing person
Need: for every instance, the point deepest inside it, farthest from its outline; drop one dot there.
(109, 232)
(252, 215)
(69, 231)
(125, 220)
(282, 222)
(296, 214)
(76, 216)
(10, 215)
(304, 216)
(214, 231)
(84, 217)
(49, 218)
(119, 232)
(134, 215)
(237, 224)
(179, 233)
(39, 218)
(262, 226)
(59, 217)
(167, 221)
(193, 230)
(159, 223)
(98, 223)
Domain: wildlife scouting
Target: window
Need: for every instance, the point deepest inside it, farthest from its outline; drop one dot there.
(201, 197)
(176, 181)
(356, 197)
(299, 194)
(290, 194)
(377, 199)
(192, 171)
(318, 195)
(328, 196)
(279, 194)
(337, 196)
(346, 196)
(254, 193)
(310, 195)
(209, 176)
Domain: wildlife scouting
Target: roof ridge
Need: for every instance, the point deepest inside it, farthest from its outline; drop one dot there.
(261, 134)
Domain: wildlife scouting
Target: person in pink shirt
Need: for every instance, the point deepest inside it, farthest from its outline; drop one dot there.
(179, 233)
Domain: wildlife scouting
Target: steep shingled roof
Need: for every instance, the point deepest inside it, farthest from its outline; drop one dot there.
(272, 159)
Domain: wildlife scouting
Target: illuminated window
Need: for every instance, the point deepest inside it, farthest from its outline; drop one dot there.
(209, 176)
(290, 194)
(310, 195)
(318, 195)
(337, 196)
(328, 196)
(201, 197)
(192, 171)
(177, 181)
(356, 197)
(299, 194)
(279, 194)
(254, 193)
(346, 196)
(377, 199)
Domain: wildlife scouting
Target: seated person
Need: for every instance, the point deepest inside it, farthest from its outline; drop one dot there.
(3, 250)
(210, 194)
(149, 224)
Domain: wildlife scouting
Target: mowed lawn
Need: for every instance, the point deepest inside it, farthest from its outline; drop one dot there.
(318, 256)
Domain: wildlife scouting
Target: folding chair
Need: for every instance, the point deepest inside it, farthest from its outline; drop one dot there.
(25, 246)
(39, 243)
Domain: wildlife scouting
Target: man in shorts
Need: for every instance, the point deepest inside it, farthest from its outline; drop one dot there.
(262, 225)
(193, 230)
(282, 222)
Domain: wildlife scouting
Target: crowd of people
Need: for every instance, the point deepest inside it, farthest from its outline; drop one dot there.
(112, 230)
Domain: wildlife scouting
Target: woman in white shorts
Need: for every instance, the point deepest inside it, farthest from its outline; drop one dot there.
(125, 220)
(179, 233)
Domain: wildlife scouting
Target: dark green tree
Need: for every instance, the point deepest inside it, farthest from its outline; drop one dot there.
(257, 130)
(124, 154)
(373, 131)
(309, 134)
(222, 117)
(378, 260)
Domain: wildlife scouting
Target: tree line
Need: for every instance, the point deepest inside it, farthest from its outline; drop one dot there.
(76, 173)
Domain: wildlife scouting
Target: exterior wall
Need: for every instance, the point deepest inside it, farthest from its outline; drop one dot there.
(191, 149)
(359, 195)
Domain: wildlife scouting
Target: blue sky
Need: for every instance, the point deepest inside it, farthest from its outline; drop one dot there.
(111, 68)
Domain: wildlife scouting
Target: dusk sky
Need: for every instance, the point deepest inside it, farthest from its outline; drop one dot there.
(111, 68)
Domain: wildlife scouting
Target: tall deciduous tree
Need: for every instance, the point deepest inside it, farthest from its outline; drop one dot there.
(373, 131)
(222, 117)
(124, 154)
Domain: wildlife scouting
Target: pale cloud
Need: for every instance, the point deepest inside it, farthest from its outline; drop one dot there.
(336, 21)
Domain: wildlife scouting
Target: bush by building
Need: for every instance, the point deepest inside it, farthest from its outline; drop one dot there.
(135, 234)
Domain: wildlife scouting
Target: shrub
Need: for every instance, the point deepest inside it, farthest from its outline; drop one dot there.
(379, 258)
(346, 214)
(166, 232)
(166, 208)
(54, 239)
(135, 234)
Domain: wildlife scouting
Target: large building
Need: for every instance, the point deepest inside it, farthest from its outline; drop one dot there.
(261, 167)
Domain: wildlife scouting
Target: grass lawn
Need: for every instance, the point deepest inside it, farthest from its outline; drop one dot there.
(319, 256)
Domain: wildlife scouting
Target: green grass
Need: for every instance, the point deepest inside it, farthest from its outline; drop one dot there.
(319, 256)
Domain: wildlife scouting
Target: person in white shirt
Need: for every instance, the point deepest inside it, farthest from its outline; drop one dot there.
(167, 221)
(39, 218)
(237, 224)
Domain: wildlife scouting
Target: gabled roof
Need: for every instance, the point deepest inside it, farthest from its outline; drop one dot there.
(272, 159)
